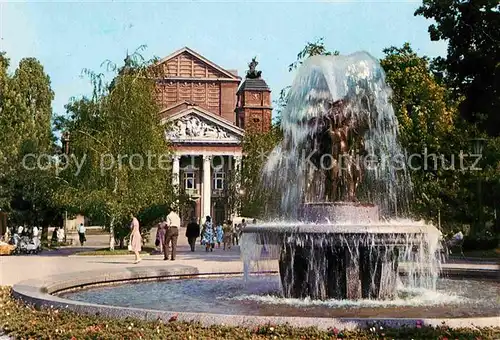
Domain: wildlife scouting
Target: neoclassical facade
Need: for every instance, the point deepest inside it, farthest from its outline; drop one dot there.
(206, 110)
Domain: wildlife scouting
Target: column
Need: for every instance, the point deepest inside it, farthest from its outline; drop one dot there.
(237, 187)
(176, 172)
(207, 187)
(237, 170)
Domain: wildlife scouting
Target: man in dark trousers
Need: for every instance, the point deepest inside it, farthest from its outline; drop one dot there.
(171, 235)
(192, 232)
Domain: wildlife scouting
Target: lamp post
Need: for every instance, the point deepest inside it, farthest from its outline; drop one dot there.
(477, 146)
(65, 139)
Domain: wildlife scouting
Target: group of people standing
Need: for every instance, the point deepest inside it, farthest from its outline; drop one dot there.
(166, 236)
(221, 233)
(212, 234)
(168, 233)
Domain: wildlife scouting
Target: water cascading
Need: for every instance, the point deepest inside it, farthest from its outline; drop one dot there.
(341, 176)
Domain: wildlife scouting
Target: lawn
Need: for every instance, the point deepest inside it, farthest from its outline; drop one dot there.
(23, 321)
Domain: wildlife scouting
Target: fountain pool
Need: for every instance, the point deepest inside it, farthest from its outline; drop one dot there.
(262, 296)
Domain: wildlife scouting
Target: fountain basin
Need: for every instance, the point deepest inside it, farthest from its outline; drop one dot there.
(341, 260)
(44, 292)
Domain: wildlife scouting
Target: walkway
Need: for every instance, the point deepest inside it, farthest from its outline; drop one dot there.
(14, 269)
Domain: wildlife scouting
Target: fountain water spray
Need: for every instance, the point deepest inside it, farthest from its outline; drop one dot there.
(339, 170)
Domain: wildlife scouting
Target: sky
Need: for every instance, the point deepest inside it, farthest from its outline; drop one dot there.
(69, 36)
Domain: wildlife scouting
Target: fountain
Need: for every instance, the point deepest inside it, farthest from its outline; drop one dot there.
(340, 242)
(341, 176)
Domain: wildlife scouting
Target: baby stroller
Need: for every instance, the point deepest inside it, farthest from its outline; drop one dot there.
(26, 245)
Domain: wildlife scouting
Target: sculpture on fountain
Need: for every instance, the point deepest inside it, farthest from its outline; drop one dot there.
(339, 113)
(341, 139)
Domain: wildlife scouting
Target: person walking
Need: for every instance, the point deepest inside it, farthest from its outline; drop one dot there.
(60, 234)
(236, 233)
(81, 234)
(36, 237)
(219, 234)
(171, 235)
(228, 234)
(53, 240)
(135, 243)
(208, 234)
(192, 232)
(160, 237)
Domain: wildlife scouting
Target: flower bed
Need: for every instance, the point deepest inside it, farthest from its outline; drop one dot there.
(26, 322)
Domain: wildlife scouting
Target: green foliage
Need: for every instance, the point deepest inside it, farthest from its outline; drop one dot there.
(27, 192)
(490, 178)
(257, 148)
(25, 321)
(32, 86)
(424, 113)
(9, 138)
(472, 66)
(118, 137)
(428, 125)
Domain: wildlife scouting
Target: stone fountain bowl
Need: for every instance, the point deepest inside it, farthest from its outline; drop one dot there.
(342, 221)
(380, 233)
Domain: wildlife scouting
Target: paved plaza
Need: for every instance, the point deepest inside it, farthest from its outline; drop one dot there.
(14, 269)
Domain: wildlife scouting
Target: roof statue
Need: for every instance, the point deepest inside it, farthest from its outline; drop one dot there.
(252, 73)
(127, 64)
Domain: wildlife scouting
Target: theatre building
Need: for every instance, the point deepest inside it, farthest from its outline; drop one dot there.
(206, 110)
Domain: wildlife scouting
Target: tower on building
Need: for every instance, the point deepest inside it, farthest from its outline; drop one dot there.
(253, 109)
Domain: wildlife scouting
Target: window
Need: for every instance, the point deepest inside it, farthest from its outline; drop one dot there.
(218, 180)
(189, 181)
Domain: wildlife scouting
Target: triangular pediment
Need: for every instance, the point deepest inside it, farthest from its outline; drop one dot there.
(186, 63)
(196, 125)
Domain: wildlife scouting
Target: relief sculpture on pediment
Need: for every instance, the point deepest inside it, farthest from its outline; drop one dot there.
(193, 127)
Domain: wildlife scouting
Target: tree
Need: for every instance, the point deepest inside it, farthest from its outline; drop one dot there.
(25, 122)
(118, 138)
(490, 178)
(32, 85)
(10, 139)
(428, 125)
(257, 147)
(472, 66)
